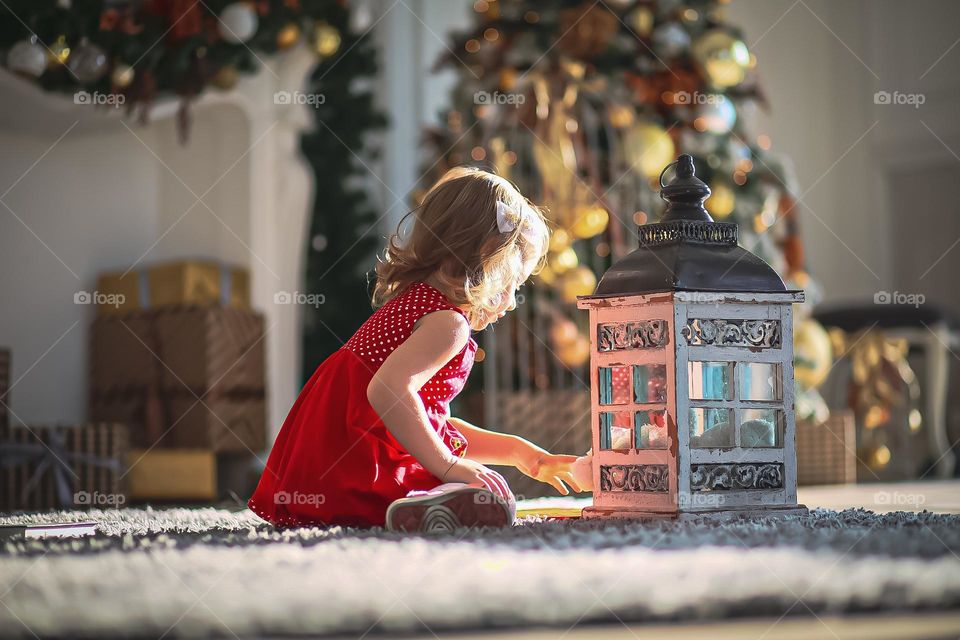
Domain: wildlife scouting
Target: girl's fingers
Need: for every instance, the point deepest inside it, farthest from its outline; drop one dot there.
(564, 458)
(558, 485)
(572, 481)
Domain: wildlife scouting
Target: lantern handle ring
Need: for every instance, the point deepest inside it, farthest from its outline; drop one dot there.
(660, 179)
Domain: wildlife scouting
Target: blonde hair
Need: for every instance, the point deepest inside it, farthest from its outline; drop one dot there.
(456, 237)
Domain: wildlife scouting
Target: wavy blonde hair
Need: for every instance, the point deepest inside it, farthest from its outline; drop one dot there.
(456, 238)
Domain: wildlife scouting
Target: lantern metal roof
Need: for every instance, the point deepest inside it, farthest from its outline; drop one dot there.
(687, 250)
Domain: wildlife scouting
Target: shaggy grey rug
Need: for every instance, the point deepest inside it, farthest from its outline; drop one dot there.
(202, 572)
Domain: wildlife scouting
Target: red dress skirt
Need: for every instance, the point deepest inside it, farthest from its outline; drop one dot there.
(334, 461)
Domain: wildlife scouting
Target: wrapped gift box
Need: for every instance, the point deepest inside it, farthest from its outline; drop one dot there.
(221, 423)
(203, 348)
(172, 474)
(62, 467)
(826, 451)
(185, 282)
(211, 349)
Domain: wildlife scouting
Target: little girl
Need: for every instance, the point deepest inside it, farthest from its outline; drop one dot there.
(370, 440)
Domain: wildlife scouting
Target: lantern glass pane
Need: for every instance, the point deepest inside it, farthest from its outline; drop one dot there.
(761, 428)
(711, 428)
(616, 430)
(651, 429)
(710, 380)
(650, 382)
(614, 384)
(760, 381)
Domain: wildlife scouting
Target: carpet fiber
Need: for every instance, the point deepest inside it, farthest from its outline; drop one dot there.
(200, 572)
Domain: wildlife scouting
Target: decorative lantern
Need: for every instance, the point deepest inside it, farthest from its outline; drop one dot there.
(691, 371)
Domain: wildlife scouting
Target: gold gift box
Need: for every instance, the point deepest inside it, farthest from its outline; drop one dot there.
(194, 282)
(171, 474)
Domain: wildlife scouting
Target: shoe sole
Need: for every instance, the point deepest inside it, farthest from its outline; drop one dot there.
(467, 507)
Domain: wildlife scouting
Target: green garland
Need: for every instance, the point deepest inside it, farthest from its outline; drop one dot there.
(343, 237)
(137, 51)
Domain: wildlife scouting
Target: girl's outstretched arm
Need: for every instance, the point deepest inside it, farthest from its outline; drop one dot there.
(491, 447)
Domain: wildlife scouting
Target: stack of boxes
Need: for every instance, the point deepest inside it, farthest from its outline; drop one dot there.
(179, 357)
(58, 466)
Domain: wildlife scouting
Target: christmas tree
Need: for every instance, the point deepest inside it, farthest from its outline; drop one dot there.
(582, 104)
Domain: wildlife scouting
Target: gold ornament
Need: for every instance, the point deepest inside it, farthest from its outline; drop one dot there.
(875, 457)
(722, 58)
(577, 282)
(508, 78)
(721, 201)
(641, 21)
(225, 78)
(547, 275)
(621, 115)
(326, 39)
(562, 261)
(648, 148)
(560, 240)
(590, 221)
(563, 332)
(58, 53)
(575, 353)
(122, 75)
(288, 36)
(812, 354)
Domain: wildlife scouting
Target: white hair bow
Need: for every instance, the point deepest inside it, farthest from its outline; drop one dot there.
(508, 219)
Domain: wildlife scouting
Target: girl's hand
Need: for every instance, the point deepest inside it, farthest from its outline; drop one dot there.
(550, 468)
(472, 472)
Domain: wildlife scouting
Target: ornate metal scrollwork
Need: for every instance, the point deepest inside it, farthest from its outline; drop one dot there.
(736, 476)
(634, 477)
(732, 333)
(640, 334)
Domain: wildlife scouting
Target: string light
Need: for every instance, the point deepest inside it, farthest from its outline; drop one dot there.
(603, 249)
(472, 45)
(532, 17)
(640, 217)
(478, 153)
(491, 35)
(763, 141)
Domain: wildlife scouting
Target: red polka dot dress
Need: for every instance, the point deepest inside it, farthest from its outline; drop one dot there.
(334, 461)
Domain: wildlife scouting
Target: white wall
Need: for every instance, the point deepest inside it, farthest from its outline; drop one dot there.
(90, 190)
(821, 63)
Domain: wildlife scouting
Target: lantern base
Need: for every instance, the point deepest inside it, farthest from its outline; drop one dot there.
(769, 511)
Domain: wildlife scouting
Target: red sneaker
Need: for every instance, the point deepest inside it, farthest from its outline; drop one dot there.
(448, 507)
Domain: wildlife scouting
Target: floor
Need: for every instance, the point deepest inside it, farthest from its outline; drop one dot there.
(185, 553)
(935, 496)
(879, 627)
(938, 497)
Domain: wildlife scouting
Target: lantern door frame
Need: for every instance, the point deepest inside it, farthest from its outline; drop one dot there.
(637, 308)
(737, 307)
